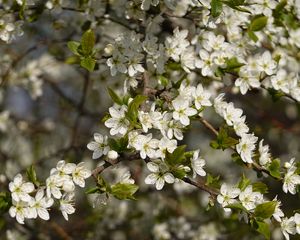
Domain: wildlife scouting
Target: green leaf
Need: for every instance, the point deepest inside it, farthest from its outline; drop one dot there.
(214, 144)
(274, 168)
(5, 202)
(237, 159)
(264, 229)
(177, 156)
(177, 160)
(279, 8)
(88, 42)
(163, 80)
(275, 94)
(252, 35)
(232, 64)
(237, 206)
(258, 23)
(236, 4)
(88, 63)
(31, 175)
(132, 112)
(93, 190)
(223, 140)
(265, 210)
(115, 97)
(178, 172)
(216, 8)
(244, 182)
(124, 190)
(73, 46)
(74, 59)
(213, 181)
(260, 187)
(229, 142)
(118, 145)
(102, 185)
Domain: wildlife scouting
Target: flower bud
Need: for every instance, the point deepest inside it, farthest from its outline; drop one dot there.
(112, 154)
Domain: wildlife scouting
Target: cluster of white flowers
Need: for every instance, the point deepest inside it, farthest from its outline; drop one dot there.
(9, 27)
(214, 51)
(60, 185)
(233, 117)
(291, 178)
(246, 146)
(126, 55)
(250, 200)
(223, 49)
(170, 126)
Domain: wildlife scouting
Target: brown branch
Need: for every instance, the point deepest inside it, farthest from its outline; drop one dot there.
(60, 231)
(254, 165)
(200, 185)
(209, 126)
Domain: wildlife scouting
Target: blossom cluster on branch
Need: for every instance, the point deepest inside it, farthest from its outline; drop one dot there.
(170, 67)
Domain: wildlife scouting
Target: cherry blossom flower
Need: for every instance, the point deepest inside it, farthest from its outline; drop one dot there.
(147, 146)
(39, 206)
(288, 227)
(99, 146)
(266, 63)
(201, 97)
(246, 146)
(197, 164)
(20, 211)
(159, 175)
(264, 155)
(182, 111)
(118, 124)
(80, 173)
(66, 205)
(250, 199)
(227, 196)
(20, 190)
(290, 181)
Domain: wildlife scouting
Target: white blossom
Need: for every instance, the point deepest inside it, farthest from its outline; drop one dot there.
(264, 155)
(182, 111)
(288, 227)
(290, 181)
(147, 146)
(80, 173)
(197, 164)
(118, 123)
(232, 114)
(20, 211)
(227, 195)
(39, 206)
(297, 222)
(159, 175)
(250, 199)
(266, 63)
(20, 190)
(67, 205)
(201, 97)
(99, 146)
(246, 146)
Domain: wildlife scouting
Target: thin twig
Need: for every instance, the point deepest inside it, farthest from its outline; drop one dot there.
(256, 166)
(202, 186)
